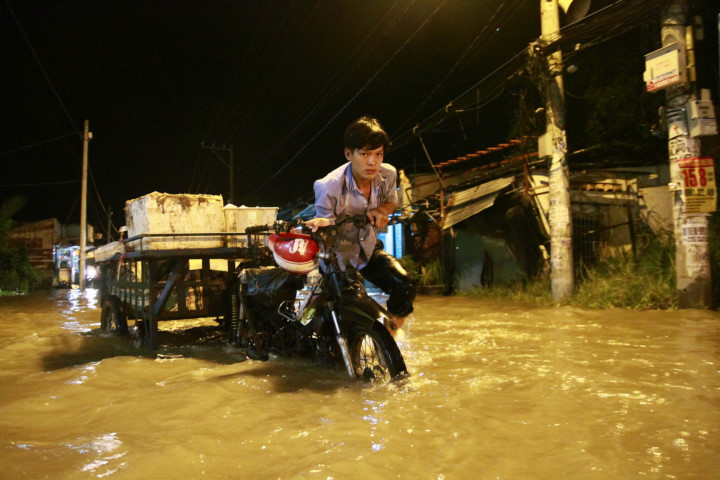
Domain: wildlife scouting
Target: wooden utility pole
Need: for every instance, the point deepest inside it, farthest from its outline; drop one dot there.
(87, 135)
(228, 163)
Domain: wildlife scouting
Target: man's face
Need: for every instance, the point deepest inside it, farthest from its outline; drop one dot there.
(365, 162)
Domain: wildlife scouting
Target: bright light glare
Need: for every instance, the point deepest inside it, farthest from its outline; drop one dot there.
(91, 272)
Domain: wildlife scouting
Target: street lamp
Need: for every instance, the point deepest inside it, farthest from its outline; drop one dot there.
(574, 9)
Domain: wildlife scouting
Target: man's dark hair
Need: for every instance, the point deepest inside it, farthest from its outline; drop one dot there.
(365, 132)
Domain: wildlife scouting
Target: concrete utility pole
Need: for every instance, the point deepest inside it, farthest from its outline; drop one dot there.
(87, 135)
(692, 259)
(229, 163)
(561, 254)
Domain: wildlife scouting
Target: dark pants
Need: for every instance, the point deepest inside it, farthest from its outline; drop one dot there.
(386, 272)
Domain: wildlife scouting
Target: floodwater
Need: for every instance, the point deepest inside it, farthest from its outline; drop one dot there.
(496, 391)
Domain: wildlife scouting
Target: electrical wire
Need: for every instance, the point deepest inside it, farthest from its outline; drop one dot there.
(255, 74)
(474, 44)
(333, 85)
(240, 70)
(97, 194)
(465, 100)
(279, 66)
(368, 82)
(72, 209)
(39, 184)
(42, 69)
(194, 174)
(26, 147)
(602, 25)
(62, 105)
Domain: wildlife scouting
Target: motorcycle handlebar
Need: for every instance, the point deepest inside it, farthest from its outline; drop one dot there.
(359, 220)
(258, 228)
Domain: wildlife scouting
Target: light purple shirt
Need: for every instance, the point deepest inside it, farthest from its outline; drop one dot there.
(337, 197)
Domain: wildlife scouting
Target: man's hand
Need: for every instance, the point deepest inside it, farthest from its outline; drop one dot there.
(315, 223)
(378, 217)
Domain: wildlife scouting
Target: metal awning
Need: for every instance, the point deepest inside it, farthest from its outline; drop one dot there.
(466, 203)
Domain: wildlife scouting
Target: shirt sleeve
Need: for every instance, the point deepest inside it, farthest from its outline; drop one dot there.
(390, 180)
(325, 201)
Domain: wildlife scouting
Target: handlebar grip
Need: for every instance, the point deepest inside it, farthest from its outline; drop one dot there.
(258, 228)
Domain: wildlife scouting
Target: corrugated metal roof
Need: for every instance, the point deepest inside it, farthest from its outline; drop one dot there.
(466, 203)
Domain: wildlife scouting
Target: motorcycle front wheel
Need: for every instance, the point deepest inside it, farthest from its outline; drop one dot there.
(373, 352)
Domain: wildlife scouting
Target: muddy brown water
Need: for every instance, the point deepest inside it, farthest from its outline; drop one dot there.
(497, 391)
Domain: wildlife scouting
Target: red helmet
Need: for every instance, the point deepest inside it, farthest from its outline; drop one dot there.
(294, 252)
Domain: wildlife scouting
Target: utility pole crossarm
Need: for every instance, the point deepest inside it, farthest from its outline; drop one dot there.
(229, 163)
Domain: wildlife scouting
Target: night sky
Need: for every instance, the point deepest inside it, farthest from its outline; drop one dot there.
(277, 80)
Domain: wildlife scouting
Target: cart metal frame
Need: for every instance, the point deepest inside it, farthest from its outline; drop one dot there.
(150, 285)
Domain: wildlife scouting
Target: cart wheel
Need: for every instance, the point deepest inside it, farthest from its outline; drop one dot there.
(235, 320)
(145, 333)
(113, 319)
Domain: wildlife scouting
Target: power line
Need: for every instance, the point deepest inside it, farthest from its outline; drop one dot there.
(464, 101)
(334, 83)
(240, 69)
(97, 194)
(464, 56)
(42, 69)
(40, 184)
(8, 152)
(603, 25)
(368, 82)
(277, 65)
(255, 74)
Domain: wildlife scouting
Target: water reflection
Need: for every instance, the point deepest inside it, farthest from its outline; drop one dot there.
(496, 391)
(100, 445)
(82, 299)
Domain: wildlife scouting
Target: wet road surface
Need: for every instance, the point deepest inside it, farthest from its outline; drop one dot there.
(497, 391)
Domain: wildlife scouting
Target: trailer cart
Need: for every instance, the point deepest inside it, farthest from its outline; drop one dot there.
(141, 285)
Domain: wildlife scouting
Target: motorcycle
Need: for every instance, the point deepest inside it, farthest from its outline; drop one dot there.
(337, 322)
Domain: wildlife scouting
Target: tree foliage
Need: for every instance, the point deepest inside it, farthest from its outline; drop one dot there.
(16, 273)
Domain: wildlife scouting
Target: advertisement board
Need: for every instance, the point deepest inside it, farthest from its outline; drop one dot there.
(698, 175)
(664, 68)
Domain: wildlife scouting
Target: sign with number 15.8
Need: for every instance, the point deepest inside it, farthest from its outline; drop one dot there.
(698, 176)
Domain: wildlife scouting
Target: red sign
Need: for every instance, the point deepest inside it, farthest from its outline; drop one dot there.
(698, 176)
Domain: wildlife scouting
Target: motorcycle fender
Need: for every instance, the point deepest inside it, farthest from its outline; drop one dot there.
(363, 307)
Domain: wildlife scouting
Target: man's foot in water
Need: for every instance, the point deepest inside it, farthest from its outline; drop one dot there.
(394, 325)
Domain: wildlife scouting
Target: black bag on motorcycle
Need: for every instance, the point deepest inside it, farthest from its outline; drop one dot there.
(267, 287)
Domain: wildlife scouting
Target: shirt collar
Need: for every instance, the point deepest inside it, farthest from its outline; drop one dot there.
(350, 180)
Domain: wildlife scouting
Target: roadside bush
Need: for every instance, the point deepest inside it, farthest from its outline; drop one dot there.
(714, 247)
(641, 282)
(410, 265)
(533, 293)
(16, 273)
(621, 280)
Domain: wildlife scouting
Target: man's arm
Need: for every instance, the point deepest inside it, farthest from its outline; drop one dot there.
(318, 222)
(325, 198)
(325, 204)
(380, 215)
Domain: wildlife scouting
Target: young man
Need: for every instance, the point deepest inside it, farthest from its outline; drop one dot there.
(366, 185)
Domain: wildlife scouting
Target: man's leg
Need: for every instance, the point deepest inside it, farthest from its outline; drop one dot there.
(386, 272)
